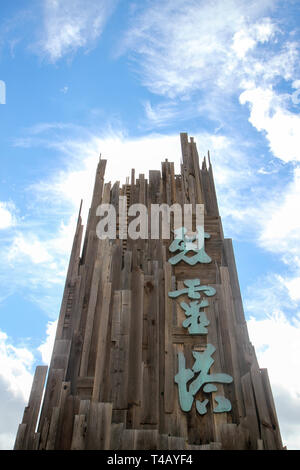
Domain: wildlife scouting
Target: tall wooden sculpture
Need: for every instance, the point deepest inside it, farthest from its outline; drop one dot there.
(152, 349)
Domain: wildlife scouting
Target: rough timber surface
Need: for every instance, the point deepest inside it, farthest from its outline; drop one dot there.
(111, 382)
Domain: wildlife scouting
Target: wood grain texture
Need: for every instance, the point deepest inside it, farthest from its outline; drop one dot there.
(111, 379)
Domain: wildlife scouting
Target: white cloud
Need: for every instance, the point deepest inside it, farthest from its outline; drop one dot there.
(267, 297)
(268, 113)
(185, 46)
(16, 376)
(16, 363)
(72, 24)
(7, 215)
(15, 385)
(242, 43)
(246, 39)
(47, 346)
(161, 114)
(280, 230)
(31, 248)
(11, 412)
(206, 53)
(34, 260)
(274, 329)
(293, 287)
(268, 334)
(279, 234)
(277, 343)
(42, 253)
(75, 182)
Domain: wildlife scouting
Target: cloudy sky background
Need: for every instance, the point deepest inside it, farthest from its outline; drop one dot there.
(124, 78)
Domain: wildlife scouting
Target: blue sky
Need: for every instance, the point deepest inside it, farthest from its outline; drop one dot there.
(124, 78)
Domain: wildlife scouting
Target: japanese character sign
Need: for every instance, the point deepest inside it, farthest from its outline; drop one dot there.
(202, 364)
(192, 289)
(184, 244)
(197, 320)
(198, 378)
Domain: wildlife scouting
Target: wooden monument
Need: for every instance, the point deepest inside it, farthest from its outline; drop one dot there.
(152, 348)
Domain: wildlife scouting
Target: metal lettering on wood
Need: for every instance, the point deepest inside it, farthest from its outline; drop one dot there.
(196, 323)
(185, 244)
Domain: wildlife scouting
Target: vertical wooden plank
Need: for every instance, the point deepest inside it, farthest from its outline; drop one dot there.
(176, 422)
(84, 301)
(102, 318)
(233, 356)
(212, 188)
(226, 390)
(154, 186)
(36, 441)
(98, 430)
(52, 394)
(173, 185)
(260, 444)
(102, 339)
(132, 181)
(79, 431)
(192, 192)
(64, 394)
(213, 338)
(263, 412)
(135, 345)
(250, 420)
(176, 443)
(126, 271)
(163, 442)
(128, 439)
(185, 167)
(150, 406)
(31, 411)
(120, 360)
(235, 287)
(71, 277)
(44, 434)
(60, 355)
(146, 439)
(168, 349)
(80, 426)
(115, 333)
(162, 350)
(116, 266)
(96, 200)
(87, 266)
(208, 197)
(70, 409)
(91, 311)
(116, 436)
(53, 428)
(271, 407)
(20, 437)
(195, 158)
(234, 437)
